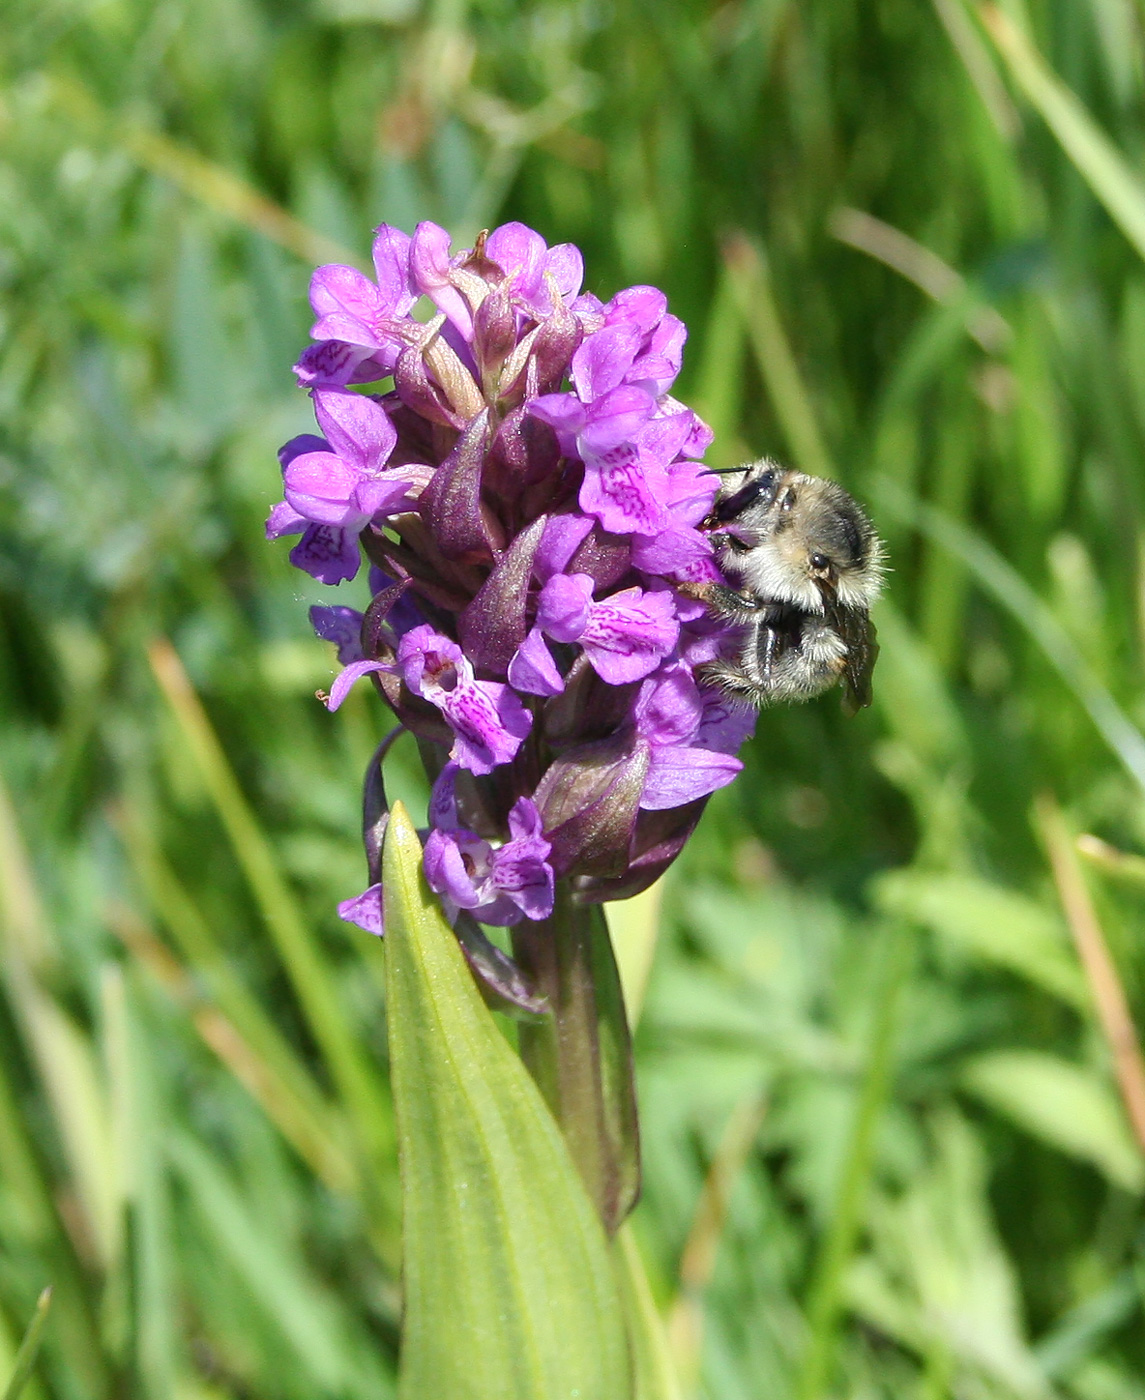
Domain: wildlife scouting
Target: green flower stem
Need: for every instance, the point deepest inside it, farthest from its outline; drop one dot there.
(581, 1053)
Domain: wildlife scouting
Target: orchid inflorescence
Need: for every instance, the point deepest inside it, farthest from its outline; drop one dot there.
(528, 496)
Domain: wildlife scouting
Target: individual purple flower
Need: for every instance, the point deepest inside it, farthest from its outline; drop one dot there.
(693, 736)
(624, 636)
(533, 271)
(499, 885)
(338, 483)
(362, 326)
(679, 550)
(657, 337)
(488, 720)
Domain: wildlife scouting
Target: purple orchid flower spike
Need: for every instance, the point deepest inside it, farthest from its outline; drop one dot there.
(530, 497)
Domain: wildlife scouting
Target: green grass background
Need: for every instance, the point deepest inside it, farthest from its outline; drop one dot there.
(885, 1150)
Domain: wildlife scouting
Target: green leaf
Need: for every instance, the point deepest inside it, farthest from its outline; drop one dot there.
(509, 1286)
(995, 924)
(29, 1347)
(1068, 1107)
(655, 1370)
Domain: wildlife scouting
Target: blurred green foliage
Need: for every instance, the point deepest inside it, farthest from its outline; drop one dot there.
(885, 1151)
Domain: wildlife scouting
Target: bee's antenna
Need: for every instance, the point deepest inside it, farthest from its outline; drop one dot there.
(724, 471)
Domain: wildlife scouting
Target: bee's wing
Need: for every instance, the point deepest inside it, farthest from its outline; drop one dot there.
(857, 630)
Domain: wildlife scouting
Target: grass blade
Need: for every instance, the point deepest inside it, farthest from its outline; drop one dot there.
(309, 974)
(790, 401)
(1103, 167)
(1109, 997)
(1003, 582)
(825, 1301)
(29, 1347)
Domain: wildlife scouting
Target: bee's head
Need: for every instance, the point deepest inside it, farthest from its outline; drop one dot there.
(798, 539)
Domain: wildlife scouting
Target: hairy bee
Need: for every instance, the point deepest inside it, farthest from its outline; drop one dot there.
(809, 565)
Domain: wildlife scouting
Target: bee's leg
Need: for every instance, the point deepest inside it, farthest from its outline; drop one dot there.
(766, 653)
(735, 683)
(727, 603)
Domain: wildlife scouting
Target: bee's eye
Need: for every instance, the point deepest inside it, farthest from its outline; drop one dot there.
(820, 564)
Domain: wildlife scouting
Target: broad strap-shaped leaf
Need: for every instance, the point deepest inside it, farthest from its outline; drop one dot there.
(509, 1288)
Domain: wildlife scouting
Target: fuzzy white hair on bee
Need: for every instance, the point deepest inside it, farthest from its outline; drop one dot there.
(796, 538)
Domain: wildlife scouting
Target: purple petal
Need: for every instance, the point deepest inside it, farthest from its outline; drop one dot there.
(488, 720)
(669, 707)
(616, 490)
(565, 266)
(425, 655)
(679, 775)
(520, 867)
(642, 308)
(673, 552)
(700, 438)
(525, 822)
(725, 725)
(365, 910)
(564, 606)
(615, 419)
(341, 326)
(346, 678)
(298, 446)
(319, 486)
(332, 362)
(336, 288)
(343, 627)
(520, 253)
(663, 437)
(443, 799)
(629, 634)
(691, 490)
(457, 866)
(563, 534)
(284, 520)
(565, 414)
(327, 553)
(603, 360)
(533, 670)
(358, 428)
(389, 496)
(658, 366)
(527, 883)
(489, 723)
(391, 252)
(430, 269)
